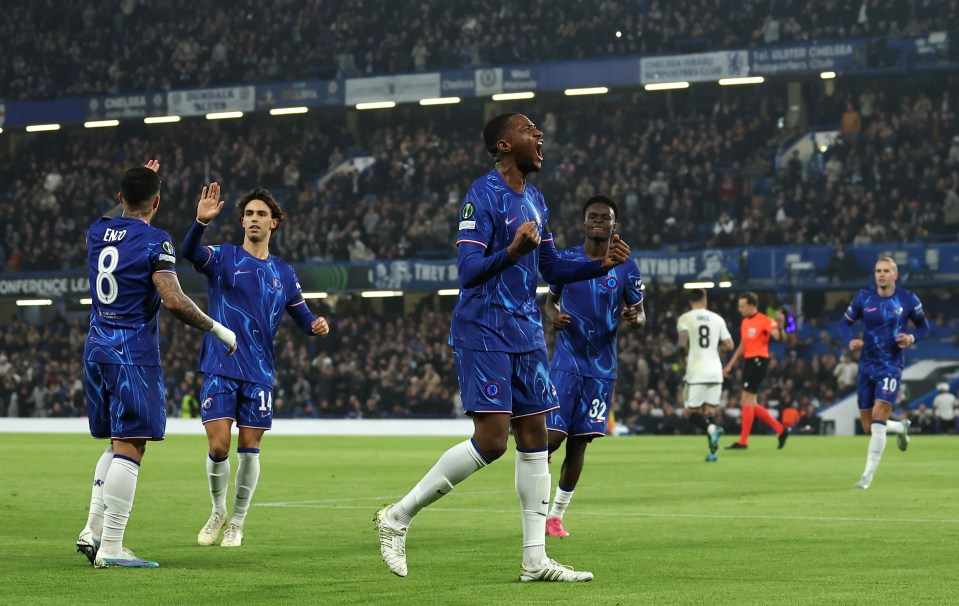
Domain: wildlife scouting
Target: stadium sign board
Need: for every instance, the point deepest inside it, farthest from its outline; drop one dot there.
(409, 88)
(138, 105)
(198, 102)
(699, 67)
(804, 58)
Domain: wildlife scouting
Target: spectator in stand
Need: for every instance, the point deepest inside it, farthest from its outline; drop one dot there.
(809, 423)
(723, 231)
(73, 50)
(923, 420)
(945, 404)
(696, 155)
(851, 122)
(846, 373)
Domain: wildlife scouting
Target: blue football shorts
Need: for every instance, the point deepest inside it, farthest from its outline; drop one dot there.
(499, 381)
(125, 401)
(249, 404)
(583, 404)
(883, 386)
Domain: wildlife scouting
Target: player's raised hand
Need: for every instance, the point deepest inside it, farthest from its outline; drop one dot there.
(856, 344)
(616, 254)
(525, 241)
(320, 326)
(210, 204)
(153, 165)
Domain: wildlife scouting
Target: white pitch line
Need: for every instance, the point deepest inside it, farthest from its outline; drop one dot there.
(386, 499)
(617, 514)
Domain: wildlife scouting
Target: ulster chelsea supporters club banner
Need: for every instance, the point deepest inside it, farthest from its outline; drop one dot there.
(804, 58)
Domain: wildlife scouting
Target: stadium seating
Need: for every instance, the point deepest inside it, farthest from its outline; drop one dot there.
(99, 48)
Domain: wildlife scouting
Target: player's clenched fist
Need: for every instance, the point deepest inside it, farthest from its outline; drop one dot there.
(320, 326)
(525, 241)
(617, 253)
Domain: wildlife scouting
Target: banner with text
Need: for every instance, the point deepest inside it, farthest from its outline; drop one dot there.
(393, 88)
(309, 93)
(804, 58)
(208, 100)
(138, 105)
(758, 267)
(700, 67)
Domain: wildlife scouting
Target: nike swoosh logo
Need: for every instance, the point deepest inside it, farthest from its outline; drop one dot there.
(243, 272)
(509, 221)
(545, 502)
(872, 309)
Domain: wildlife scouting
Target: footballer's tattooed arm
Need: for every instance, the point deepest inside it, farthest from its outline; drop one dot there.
(179, 304)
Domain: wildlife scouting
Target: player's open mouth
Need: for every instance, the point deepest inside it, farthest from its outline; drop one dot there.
(539, 149)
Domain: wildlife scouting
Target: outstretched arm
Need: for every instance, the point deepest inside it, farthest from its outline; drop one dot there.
(563, 271)
(207, 209)
(185, 310)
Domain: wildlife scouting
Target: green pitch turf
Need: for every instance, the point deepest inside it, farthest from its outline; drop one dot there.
(652, 520)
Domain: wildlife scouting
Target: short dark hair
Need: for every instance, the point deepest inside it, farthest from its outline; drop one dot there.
(600, 199)
(260, 193)
(139, 187)
(750, 298)
(494, 131)
(696, 294)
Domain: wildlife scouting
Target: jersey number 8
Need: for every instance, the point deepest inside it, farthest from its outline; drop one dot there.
(704, 337)
(106, 263)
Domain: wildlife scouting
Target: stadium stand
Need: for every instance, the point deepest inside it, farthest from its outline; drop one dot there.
(102, 47)
(705, 169)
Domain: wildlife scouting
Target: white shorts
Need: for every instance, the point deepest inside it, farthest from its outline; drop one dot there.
(697, 394)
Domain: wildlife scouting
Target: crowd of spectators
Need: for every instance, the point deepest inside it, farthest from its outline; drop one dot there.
(54, 49)
(397, 364)
(703, 170)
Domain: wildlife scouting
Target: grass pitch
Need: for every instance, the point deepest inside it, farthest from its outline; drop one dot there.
(652, 520)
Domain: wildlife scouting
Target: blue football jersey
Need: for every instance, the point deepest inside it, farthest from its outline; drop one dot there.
(249, 296)
(123, 254)
(500, 314)
(587, 345)
(882, 319)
